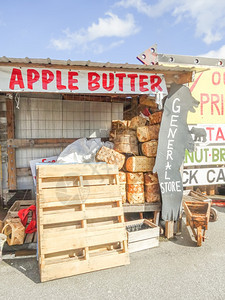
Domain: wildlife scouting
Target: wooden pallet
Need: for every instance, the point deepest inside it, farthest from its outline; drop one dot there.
(80, 219)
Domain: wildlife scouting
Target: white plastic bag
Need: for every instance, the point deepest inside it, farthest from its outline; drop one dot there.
(82, 151)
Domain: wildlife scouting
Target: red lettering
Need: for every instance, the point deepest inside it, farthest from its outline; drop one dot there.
(32, 77)
(222, 105)
(59, 84)
(111, 81)
(155, 83)
(132, 81)
(47, 77)
(202, 102)
(219, 134)
(210, 132)
(16, 79)
(142, 83)
(72, 81)
(214, 103)
(93, 81)
(120, 76)
(215, 80)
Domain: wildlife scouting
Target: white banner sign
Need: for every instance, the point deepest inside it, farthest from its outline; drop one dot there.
(207, 176)
(14, 79)
(34, 162)
(209, 155)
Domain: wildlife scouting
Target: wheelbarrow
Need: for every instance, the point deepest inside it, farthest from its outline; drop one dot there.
(197, 217)
(190, 195)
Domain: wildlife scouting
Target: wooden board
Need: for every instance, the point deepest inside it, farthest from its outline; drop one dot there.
(80, 219)
(11, 151)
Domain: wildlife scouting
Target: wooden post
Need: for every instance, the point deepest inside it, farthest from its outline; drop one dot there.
(11, 151)
(169, 229)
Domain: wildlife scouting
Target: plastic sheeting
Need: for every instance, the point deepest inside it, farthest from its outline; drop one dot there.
(82, 151)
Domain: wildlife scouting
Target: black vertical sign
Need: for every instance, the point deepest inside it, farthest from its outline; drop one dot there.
(174, 138)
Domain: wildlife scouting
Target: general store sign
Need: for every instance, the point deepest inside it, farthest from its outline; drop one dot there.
(206, 176)
(209, 89)
(15, 79)
(210, 155)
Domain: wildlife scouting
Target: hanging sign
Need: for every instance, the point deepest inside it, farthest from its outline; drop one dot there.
(15, 79)
(204, 176)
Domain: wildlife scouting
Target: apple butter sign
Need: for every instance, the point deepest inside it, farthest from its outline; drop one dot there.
(174, 138)
(79, 81)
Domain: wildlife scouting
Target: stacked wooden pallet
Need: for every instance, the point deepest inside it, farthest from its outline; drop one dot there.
(80, 219)
(135, 149)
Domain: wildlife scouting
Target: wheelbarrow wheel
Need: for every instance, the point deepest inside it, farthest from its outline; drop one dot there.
(199, 236)
(213, 215)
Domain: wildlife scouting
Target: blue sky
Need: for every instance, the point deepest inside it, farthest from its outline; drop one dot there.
(111, 30)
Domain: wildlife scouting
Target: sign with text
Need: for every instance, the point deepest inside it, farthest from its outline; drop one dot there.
(209, 89)
(34, 162)
(210, 155)
(214, 133)
(174, 138)
(14, 79)
(204, 176)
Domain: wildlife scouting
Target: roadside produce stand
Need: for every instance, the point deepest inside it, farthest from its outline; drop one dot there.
(50, 106)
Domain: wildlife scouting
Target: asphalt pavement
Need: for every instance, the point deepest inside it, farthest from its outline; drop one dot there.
(177, 269)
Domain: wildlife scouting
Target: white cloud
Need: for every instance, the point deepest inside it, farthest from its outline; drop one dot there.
(152, 11)
(110, 26)
(220, 53)
(207, 15)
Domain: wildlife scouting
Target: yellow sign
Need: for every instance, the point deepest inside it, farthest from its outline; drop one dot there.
(209, 89)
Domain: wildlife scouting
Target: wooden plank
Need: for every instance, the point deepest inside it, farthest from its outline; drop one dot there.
(80, 215)
(127, 208)
(72, 196)
(56, 170)
(82, 240)
(39, 143)
(21, 172)
(58, 232)
(29, 238)
(143, 234)
(143, 245)
(74, 267)
(11, 152)
(72, 181)
(169, 229)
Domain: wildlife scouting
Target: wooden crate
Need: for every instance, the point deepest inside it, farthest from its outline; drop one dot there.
(17, 205)
(142, 239)
(13, 213)
(80, 219)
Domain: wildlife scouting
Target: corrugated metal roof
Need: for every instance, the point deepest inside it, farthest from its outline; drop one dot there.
(88, 63)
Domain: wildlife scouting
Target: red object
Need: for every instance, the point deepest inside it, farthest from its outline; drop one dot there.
(23, 215)
(220, 203)
(146, 112)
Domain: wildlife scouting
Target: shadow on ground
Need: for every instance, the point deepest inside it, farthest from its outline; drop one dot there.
(27, 266)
